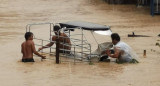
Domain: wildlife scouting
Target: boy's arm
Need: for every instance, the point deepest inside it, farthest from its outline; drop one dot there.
(35, 52)
(48, 45)
(116, 53)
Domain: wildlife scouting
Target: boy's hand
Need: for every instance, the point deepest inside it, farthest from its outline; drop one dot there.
(108, 52)
(43, 57)
(40, 49)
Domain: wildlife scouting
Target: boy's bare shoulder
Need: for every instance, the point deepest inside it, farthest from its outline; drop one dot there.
(63, 34)
(23, 43)
(30, 42)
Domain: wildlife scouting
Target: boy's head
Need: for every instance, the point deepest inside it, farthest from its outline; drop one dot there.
(56, 29)
(115, 38)
(28, 35)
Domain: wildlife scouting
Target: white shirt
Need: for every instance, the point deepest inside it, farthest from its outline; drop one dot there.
(125, 51)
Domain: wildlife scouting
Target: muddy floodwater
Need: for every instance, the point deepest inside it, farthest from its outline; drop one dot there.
(123, 19)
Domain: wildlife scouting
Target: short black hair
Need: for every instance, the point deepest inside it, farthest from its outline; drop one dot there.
(115, 36)
(56, 28)
(27, 35)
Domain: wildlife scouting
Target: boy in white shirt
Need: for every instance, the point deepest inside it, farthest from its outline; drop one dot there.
(122, 51)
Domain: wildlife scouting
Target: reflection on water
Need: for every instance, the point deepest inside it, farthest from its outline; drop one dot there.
(109, 69)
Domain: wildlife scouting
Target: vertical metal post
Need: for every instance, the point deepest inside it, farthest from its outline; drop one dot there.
(157, 6)
(50, 36)
(69, 33)
(26, 28)
(90, 53)
(82, 45)
(57, 50)
(74, 55)
(142, 2)
(42, 46)
(151, 6)
(29, 28)
(64, 38)
(146, 2)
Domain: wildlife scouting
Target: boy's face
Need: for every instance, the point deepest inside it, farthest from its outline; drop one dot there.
(31, 37)
(114, 42)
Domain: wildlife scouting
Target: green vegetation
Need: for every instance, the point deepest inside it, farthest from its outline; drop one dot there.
(134, 61)
(91, 63)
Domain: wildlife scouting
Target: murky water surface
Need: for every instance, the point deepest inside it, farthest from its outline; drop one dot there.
(123, 19)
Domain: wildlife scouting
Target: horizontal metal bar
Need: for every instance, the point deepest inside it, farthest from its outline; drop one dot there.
(78, 39)
(85, 51)
(44, 40)
(76, 34)
(77, 61)
(45, 46)
(82, 53)
(64, 49)
(47, 53)
(40, 23)
(85, 48)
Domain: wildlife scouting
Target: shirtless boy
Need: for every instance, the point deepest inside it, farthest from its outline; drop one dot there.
(28, 48)
(63, 40)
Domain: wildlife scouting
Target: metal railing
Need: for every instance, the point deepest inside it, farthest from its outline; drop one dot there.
(81, 44)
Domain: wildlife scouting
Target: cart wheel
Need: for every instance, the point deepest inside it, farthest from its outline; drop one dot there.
(102, 58)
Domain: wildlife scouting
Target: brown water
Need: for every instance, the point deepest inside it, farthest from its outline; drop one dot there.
(123, 19)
